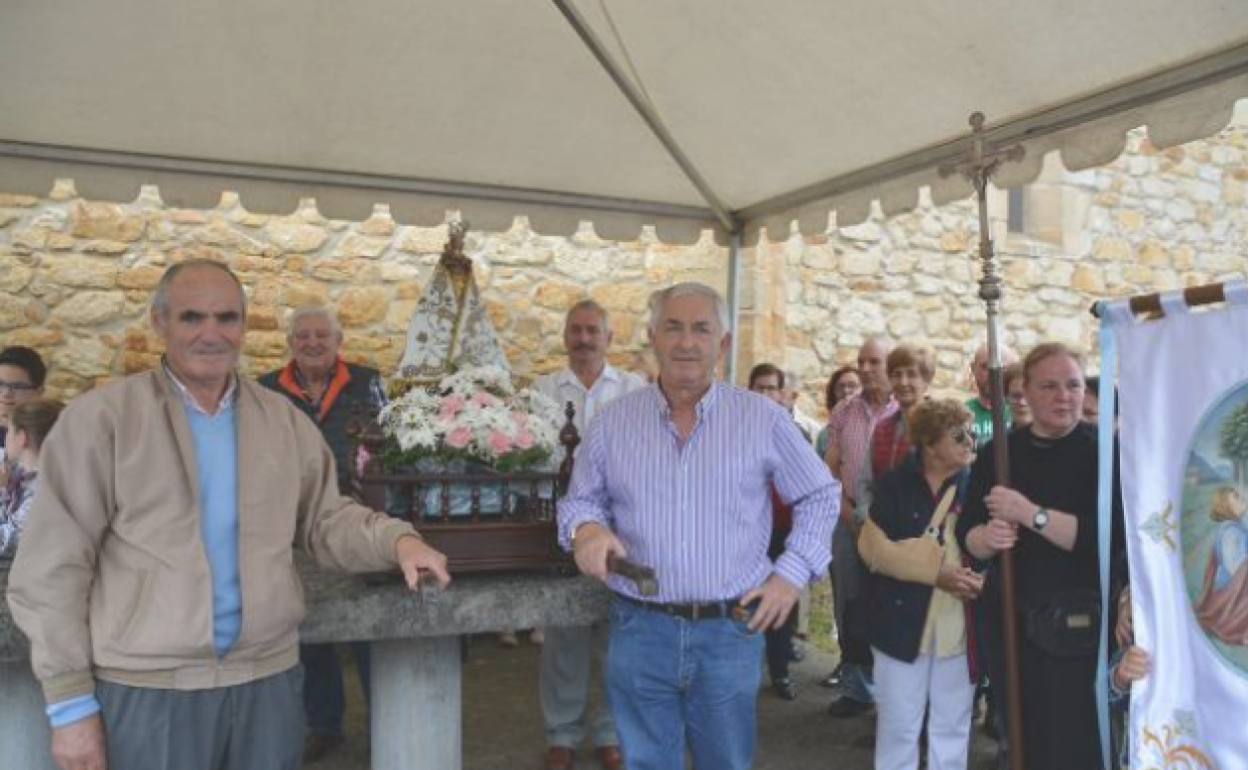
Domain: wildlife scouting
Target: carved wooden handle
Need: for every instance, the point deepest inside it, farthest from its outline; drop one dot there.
(646, 581)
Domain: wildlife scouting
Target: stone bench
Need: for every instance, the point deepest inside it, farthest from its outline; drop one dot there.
(416, 679)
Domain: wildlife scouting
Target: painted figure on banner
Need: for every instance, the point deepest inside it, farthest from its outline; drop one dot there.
(1223, 605)
(1213, 525)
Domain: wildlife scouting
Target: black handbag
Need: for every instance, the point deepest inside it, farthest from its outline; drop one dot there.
(1067, 624)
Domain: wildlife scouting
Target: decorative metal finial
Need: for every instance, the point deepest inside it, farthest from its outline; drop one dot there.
(982, 162)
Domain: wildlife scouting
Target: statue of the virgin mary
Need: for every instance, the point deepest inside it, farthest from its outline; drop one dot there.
(450, 329)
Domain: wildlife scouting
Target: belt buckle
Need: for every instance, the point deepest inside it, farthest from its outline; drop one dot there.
(695, 611)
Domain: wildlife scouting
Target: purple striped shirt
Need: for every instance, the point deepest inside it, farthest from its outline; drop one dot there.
(700, 514)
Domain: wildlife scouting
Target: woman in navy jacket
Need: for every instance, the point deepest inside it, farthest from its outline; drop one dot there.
(920, 633)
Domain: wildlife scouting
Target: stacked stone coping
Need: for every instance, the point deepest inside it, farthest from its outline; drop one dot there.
(1153, 220)
(76, 275)
(76, 279)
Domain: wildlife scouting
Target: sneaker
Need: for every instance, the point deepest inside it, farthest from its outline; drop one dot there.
(538, 636)
(508, 638)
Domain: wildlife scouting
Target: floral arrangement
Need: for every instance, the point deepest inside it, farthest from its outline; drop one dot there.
(476, 415)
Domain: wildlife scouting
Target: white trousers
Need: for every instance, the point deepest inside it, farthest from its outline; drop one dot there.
(903, 691)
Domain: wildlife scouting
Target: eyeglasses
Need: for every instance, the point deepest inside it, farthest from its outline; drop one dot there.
(15, 387)
(962, 436)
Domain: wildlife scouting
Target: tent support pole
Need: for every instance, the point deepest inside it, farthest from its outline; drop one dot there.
(646, 110)
(978, 169)
(734, 304)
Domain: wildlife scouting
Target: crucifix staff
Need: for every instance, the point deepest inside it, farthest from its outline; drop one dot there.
(978, 169)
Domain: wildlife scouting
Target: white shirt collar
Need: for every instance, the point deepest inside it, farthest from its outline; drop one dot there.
(568, 377)
(227, 400)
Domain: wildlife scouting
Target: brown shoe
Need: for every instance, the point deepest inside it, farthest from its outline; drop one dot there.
(559, 758)
(610, 757)
(316, 746)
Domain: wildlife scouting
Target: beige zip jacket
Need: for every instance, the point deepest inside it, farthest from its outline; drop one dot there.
(112, 581)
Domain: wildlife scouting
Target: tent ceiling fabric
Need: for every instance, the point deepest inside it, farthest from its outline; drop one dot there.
(787, 108)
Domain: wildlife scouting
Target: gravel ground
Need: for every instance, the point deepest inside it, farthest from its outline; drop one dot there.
(503, 725)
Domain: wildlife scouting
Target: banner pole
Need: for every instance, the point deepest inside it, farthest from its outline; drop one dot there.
(1194, 296)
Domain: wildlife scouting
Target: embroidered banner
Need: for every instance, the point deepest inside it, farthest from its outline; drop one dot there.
(1183, 384)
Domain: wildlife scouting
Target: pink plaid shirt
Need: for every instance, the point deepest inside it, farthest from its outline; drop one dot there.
(849, 430)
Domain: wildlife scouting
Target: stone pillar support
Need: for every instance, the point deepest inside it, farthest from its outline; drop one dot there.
(417, 722)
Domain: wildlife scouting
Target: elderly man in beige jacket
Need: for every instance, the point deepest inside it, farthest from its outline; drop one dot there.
(156, 579)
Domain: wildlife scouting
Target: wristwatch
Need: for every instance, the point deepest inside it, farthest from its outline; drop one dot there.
(1040, 519)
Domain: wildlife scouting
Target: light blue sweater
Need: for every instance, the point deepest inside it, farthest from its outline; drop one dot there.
(216, 464)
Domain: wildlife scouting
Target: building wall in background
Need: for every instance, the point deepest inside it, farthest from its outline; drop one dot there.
(76, 276)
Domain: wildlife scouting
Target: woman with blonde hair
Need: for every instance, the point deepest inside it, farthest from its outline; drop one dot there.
(911, 369)
(1047, 518)
(919, 624)
(28, 427)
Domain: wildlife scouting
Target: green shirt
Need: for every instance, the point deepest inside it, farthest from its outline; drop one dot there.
(981, 424)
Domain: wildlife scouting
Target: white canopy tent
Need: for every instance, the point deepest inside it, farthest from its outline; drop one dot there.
(728, 114)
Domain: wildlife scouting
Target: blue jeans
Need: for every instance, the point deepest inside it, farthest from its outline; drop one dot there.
(324, 699)
(857, 683)
(672, 681)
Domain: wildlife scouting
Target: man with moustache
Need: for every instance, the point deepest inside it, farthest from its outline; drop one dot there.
(156, 582)
(569, 653)
(849, 437)
(678, 476)
(331, 392)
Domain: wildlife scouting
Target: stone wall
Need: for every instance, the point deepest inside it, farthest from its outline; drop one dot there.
(76, 278)
(1151, 221)
(76, 275)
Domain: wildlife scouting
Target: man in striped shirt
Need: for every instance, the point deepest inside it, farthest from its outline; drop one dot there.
(849, 435)
(677, 476)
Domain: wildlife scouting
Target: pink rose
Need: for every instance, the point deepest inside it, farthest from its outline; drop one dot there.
(520, 419)
(481, 398)
(451, 406)
(500, 442)
(459, 438)
(525, 439)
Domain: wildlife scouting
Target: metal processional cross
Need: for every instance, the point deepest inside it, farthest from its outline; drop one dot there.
(978, 168)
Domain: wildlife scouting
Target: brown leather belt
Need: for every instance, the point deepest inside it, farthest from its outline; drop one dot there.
(729, 608)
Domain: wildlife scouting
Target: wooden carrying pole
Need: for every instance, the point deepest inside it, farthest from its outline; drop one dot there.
(979, 169)
(1150, 304)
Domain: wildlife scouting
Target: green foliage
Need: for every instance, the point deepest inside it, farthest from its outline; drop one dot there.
(1234, 439)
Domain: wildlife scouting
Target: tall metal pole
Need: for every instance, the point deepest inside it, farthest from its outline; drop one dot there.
(734, 304)
(979, 169)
